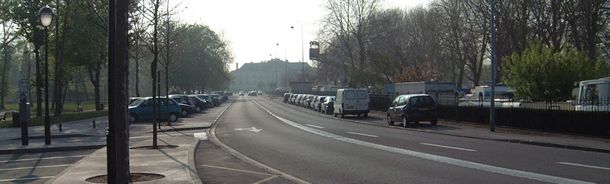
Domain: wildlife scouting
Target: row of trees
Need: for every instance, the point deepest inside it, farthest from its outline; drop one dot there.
(78, 50)
(449, 40)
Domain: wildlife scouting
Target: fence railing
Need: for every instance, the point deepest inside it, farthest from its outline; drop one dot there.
(589, 119)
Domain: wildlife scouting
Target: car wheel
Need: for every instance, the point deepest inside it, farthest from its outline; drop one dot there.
(173, 117)
(184, 113)
(389, 120)
(198, 109)
(366, 115)
(404, 121)
(434, 122)
(132, 118)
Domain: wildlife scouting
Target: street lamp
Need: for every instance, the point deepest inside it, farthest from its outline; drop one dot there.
(46, 16)
(302, 53)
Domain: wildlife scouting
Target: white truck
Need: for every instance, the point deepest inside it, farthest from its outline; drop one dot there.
(351, 101)
(593, 95)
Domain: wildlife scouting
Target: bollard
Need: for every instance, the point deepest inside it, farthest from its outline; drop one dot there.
(60, 127)
(93, 122)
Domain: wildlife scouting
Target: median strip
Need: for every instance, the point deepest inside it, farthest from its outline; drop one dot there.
(448, 147)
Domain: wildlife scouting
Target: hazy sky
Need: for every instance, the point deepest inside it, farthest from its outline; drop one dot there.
(253, 28)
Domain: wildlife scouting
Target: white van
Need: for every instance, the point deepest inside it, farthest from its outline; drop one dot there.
(594, 95)
(352, 101)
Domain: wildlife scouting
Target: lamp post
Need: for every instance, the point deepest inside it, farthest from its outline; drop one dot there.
(46, 16)
(302, 53)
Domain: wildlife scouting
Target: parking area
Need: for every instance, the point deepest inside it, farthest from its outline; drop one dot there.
(37, 167)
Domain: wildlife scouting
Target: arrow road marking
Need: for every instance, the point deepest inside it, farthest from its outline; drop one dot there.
(253, 129)
(583, 165)
(449, 147)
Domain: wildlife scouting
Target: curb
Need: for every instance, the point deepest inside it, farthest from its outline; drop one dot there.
(247, 159)
(51, 149)
(182, 129)
(517, 141)
(191, 162)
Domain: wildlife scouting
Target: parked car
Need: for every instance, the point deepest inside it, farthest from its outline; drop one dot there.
(208, 100)
(200, 104)
(328, 105)
(184, 99)
(142, 109)
(317, 106)
(352, 101)
(297, 99)
(252, 93)
(216, 98)
(241, 93)
(286, 97)
(412, 108)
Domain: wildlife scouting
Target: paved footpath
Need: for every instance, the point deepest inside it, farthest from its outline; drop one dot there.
(70, 158)
(175, 159)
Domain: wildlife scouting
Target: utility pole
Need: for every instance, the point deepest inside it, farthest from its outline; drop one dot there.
(492, 115)
(118, 127)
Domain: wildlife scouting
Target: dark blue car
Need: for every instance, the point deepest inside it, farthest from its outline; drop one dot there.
(142, 109)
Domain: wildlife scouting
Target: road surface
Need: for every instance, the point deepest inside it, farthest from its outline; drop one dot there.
(320, 149)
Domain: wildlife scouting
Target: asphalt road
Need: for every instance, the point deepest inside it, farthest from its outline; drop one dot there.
(37, 167)
(320, 149)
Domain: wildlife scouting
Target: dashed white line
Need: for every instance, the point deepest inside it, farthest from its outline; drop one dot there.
(448, 147)
(315, 126)
(583, 165)
(266, 179)
(25, 179)
(356, 133)
(432, 157)
(46, 166)
(238, 170)
(44, 158)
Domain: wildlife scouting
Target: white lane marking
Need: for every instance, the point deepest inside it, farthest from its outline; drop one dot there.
(315, 126)
(427, 156)
(356, 133)
(448, 147)
(46, 166)
(25, 179)
(238, 170)
(583, 165)
(44, 158)
(266, 179)
(253, 129)
(201, 136)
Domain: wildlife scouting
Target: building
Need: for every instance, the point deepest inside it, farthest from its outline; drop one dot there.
(268, 75)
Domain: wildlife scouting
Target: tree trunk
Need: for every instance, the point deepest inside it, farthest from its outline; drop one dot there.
(59, 59)
(94, 75)
(5, 68)
(38, 80)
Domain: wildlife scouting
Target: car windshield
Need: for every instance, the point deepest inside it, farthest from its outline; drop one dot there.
(421, 101)
(136, 102)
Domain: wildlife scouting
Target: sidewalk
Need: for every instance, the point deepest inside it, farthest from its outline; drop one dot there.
(506, 134)
(75, 135)
(174, 160)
